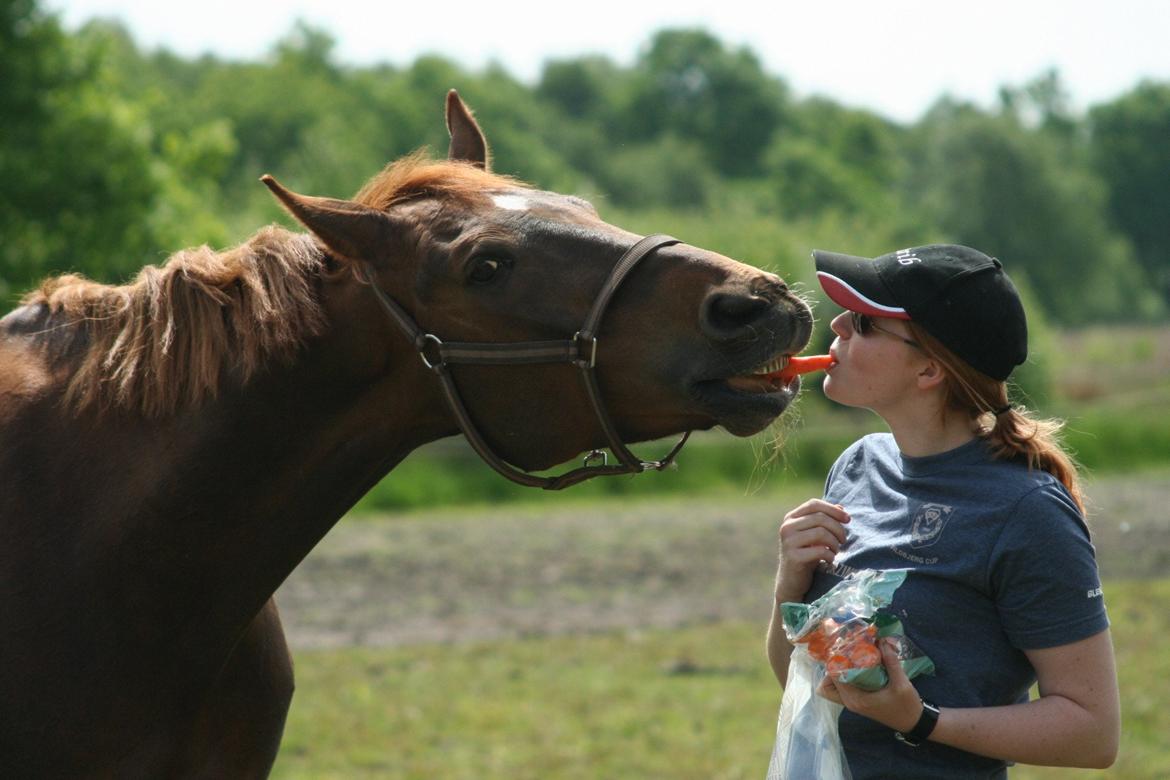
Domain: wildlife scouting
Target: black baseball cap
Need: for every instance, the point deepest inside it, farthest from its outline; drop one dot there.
(957, 294)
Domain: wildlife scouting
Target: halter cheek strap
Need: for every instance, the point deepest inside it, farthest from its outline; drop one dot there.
(581, 351)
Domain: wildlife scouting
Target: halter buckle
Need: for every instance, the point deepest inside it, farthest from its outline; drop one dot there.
(578, 339)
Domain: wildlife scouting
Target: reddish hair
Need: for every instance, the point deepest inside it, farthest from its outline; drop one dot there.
(1013, 432)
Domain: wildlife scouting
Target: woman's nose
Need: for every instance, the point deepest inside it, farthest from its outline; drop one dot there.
(840, 325)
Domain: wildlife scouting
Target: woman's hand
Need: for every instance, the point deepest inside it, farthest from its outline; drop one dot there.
(897, 705)
(811, 533)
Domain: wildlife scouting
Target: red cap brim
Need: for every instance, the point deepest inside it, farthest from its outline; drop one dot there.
(853, 283)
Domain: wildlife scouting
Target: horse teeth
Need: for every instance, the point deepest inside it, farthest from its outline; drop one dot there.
(772, 366)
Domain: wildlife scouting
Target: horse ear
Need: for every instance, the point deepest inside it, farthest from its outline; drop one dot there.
(467, 141)
(349, 229)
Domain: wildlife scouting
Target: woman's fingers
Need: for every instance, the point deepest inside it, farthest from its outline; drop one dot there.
(819, 505)
(816, 536)
(810, 533)
(828, 690)
(798, 525)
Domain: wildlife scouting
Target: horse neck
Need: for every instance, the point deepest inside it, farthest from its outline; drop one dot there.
(291, 455)
(203, 514)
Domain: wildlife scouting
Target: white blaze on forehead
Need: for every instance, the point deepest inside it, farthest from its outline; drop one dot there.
(511, 202)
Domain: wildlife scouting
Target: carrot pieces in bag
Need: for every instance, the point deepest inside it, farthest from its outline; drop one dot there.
(841, 630)
(836, 635)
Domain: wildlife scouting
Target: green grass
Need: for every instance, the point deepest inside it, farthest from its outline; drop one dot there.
(698, 702)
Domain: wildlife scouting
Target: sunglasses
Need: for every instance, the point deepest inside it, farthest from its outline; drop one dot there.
(864, 325)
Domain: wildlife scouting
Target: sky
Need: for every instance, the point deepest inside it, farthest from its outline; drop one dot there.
(895, 58)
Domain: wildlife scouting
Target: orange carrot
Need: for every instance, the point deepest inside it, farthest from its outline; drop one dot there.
(838, 664)
(863, 656)
(803, 365)
(820, 639)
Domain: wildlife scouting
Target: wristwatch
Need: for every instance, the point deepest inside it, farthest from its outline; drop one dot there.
(922, 729)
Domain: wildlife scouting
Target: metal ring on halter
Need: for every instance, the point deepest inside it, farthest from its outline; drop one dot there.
(594, 455)
(422, 351)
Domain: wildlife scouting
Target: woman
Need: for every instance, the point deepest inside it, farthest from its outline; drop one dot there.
(975, 497)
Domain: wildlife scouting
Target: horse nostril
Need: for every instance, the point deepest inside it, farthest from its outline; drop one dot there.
(727, 315)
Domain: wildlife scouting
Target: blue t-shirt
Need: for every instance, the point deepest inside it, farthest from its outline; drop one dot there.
(999, 562)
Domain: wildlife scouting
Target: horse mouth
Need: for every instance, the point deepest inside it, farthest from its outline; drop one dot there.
(747, 401)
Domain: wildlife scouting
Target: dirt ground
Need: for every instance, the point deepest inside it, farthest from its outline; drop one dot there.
(462, 575)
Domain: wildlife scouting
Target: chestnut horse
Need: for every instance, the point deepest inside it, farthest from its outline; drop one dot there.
(170, 449)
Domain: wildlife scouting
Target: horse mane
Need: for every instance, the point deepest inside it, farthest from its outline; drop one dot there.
(167, 339)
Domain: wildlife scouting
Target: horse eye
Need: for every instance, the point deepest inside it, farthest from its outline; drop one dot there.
(484, 270)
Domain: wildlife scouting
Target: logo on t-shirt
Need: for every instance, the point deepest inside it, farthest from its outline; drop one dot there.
(929, 521)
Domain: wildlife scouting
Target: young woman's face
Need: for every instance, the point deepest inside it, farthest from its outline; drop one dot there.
(877, 370)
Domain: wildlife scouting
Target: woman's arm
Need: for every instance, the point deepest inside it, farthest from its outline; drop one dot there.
(1075, 722)
(809, 534)
(779, 648)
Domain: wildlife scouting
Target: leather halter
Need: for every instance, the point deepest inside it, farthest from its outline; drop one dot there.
(581, 351)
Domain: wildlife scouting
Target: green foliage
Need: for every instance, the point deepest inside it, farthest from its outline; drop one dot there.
(835, 158)
(1106, 440)
(76, 174)
(582, 88)
(1103, 440)
(1129, 149)
(989, 182)
(112, 157)
(688, 83)
(670, 171)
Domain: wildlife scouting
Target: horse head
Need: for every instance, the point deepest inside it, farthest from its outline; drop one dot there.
(475, 257)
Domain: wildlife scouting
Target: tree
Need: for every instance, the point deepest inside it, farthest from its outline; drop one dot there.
(988, 182)
(581, 88)
(76, 179)
(834, 158)
(1130, 151)
(688, 84)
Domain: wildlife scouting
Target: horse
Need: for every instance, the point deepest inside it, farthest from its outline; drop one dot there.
(171, 448)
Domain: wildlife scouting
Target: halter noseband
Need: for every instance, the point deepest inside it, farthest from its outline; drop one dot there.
(581, 351)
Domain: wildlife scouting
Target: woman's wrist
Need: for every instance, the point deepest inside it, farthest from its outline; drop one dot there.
(789, 593)
(789, 590)
(908, 721)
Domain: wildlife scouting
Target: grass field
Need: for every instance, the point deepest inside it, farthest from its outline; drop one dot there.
(697, 702)
(614, 640)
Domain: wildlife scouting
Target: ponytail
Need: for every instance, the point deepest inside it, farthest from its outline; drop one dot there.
(1018, 434)
(1014, 433)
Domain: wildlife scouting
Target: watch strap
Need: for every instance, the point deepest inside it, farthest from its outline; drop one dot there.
(923, 728)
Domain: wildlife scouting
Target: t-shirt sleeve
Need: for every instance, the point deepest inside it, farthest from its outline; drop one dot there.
(1044, 573)
(842, 462)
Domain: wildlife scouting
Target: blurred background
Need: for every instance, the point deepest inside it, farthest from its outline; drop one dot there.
(456, 625)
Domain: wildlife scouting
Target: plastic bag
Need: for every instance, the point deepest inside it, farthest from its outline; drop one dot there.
(837, 635)
(842, 628)
(808, 744)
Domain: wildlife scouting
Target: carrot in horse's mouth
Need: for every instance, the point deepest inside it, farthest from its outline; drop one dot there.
(802, 365)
